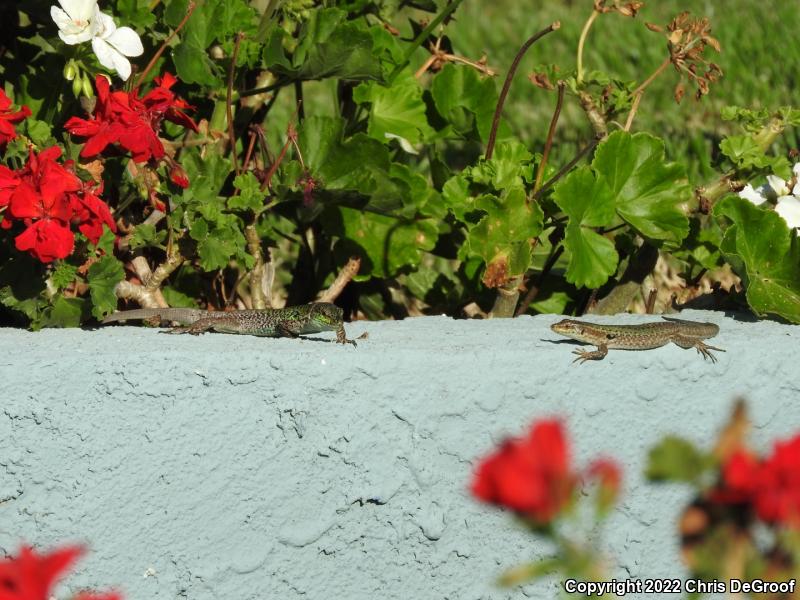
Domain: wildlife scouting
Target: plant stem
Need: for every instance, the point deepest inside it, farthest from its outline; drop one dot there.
(581, 43)
(652, 77)
(229, 103)
(550, 133)
(189, 10)
(423, 35)
(566, 168)
(507, 84)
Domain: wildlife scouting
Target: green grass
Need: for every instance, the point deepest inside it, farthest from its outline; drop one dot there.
(760, 59)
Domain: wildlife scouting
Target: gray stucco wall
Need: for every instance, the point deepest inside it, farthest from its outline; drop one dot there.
(237, 467)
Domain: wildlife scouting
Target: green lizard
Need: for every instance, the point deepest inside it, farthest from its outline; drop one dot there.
(272, 322)
(686, 334)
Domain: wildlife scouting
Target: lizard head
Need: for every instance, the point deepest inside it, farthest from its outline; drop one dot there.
(327, 315)
(570, 328)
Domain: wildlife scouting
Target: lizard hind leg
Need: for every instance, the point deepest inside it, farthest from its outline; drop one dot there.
(701, 347)
(202, 325)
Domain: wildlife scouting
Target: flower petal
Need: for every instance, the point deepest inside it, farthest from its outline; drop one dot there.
(753, 195)
(788, 207)
(110, 58)
(102, 24)
(68, 30)
(79, 10)
(126, 41)
(777, 185)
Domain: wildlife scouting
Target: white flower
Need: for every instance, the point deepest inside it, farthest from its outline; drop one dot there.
(753, 195)
(81, 21)
(112, 44)
(788, 207)
(74, 20)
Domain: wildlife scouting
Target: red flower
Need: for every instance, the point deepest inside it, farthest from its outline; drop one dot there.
(771, 486)
(7, 117)
(178, 176)
(777, 498)
(31, 576)
(530, 475)
(132, 122)
(91, 213)
(46, 240)
(47, 197)
(609, 475)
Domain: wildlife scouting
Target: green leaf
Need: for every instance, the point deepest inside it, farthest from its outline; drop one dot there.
(250, 196)
(398, 109)
(508, 167)
(464, 99)
(502, 237)
(65, 312)
(353, 164)
(386, 244)
(745, 153)
(588, 202)
(135, 13)
(39, 132)
(105, 244)
(64, 275)
(765, 253)
(329, 46)
(649, 193)
(146, 234)
(676, 459)
(192, 62)
(103, 277)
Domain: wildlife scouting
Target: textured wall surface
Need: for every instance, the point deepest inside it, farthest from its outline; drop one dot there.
(240, 468)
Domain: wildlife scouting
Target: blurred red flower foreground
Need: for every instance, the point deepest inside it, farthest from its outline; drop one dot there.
(532, 475)
(31, 576)
(770, 485)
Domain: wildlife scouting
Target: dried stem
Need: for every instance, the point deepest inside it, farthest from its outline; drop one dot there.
(632, 114)
(189, 10)
(507, 84)
(229, 102)
(550, 133)
(652, 77)
(344, 277)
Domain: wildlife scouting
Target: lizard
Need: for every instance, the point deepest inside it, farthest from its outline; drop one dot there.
(271, 322)
(686, 334)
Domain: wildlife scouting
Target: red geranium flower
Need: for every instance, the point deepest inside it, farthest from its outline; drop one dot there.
(530, 475)
(31, 576)
(777, 498)
(91, 213)
(8, 117)
(771, 486)
(46, 240)
(132, 122)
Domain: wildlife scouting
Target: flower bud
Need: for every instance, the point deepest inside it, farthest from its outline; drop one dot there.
(77, 85)
(70, 71)
(88, 90)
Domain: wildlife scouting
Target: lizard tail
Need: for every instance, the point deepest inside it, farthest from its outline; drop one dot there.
(185, 316)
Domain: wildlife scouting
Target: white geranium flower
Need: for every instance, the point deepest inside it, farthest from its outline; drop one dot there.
(112, 44)
(788, 207)
(753, 195)
(73, 20)
(81, 21)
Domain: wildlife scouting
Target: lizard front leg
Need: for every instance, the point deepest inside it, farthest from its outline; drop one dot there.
(341, 337)
(584, 355)
(702, 348)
